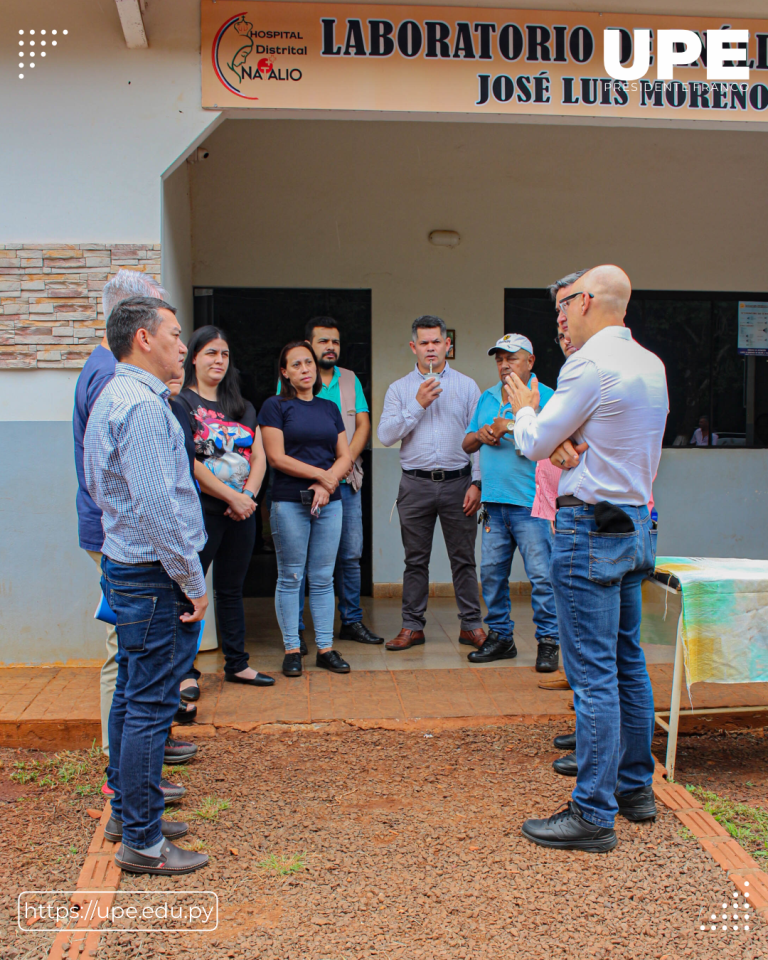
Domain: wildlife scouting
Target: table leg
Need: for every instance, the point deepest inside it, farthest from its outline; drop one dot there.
(674, 706)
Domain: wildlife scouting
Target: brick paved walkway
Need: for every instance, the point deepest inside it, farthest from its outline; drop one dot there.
(58, 707)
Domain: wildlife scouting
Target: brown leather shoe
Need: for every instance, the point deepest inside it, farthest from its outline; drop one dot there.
(404, 639)
(472, 638)
(558, 682)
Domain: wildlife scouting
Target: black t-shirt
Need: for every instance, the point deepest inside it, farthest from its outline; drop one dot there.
(311, 431)
(181, 412)
(222, 445)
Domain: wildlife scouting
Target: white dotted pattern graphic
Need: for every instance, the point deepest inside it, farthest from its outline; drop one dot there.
(31, 43)
(742, 918)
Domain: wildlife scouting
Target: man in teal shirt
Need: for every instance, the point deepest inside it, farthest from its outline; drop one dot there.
(344, 389)
(509, 487)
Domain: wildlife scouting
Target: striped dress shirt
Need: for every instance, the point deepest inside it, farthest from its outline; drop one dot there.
(137, 472)
(430, 438)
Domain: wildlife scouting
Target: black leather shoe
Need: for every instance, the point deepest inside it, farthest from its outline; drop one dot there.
(185, 713)
(638, 805)
(292, 665)
(190, 694)
(172, 861)
(494, 648)
(172, 792)
(359, 633)
(568, 830)
(566, 766)
(178, 751)
(331, 661)
(302, 644)
(547, 657)
(260, 680)
(566, 741)
(171, 829)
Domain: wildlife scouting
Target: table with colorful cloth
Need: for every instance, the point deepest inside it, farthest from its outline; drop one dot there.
(722, 631)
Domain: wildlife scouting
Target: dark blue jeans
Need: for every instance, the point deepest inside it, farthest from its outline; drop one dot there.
(346, 574)
(508, 527)
(154, 651)
(597, 578)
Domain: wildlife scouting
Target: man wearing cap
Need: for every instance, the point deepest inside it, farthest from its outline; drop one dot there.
(509, 489)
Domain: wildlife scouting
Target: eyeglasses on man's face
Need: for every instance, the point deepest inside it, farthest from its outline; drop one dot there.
(566, 300)
(559, 338)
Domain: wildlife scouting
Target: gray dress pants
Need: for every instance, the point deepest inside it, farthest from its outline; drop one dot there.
(419, 504)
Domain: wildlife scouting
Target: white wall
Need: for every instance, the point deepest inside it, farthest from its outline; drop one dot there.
(177, 245)
(88, 133)
(27, 395)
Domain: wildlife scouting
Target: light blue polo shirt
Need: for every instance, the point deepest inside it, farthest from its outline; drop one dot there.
(507, 477)
(333, 392)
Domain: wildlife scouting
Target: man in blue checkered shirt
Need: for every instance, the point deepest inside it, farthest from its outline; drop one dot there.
(137, 472)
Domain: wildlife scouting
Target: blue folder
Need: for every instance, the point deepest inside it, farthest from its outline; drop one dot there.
(106, 614)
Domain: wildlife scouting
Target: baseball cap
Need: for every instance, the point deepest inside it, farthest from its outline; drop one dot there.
(512, 342)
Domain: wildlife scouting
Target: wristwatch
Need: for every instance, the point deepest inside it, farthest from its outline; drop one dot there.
(251, 494)
(478, 484)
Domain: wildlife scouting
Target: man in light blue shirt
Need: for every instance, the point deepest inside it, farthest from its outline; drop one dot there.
(509, 488)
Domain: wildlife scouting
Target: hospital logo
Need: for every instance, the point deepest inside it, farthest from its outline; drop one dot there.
(245, 56)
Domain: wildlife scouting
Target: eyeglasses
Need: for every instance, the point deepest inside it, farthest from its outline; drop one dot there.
(571, 296)
(559, 338)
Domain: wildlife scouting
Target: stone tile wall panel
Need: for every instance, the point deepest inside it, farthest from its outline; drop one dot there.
(50, 298)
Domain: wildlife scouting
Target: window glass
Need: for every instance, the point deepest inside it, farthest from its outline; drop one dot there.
(729, 371)
(677, 331)
(535, 318)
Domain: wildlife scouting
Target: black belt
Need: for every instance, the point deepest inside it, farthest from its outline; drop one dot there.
(439, 475)
(569, 501)
(139, 563)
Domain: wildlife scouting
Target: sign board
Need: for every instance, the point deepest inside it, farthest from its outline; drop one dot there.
(466, 60)
(753, 328)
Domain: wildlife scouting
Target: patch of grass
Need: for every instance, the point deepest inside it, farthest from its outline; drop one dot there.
(196, 845)
(69, 771)
(25, 772)
(211, 807)
(283, 864)
(748, 825)
(175, 772)
(685, 834)
(85, 790)
(61, 769)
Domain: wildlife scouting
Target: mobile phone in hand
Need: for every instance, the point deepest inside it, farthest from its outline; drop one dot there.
(307, 497)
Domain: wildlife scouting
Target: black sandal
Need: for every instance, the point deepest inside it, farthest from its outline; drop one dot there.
(190, 694)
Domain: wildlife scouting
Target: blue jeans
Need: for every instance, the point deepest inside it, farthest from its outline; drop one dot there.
(598, 579)
(346, 575)
(154, 651)
(510, 527)
(303, 541)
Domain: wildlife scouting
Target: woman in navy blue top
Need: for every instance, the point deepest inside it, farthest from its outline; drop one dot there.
(306, 446)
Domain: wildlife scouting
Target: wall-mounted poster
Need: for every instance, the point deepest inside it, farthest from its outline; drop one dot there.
(753, 328)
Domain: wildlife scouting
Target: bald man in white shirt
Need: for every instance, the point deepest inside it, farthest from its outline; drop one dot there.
(611, 395)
